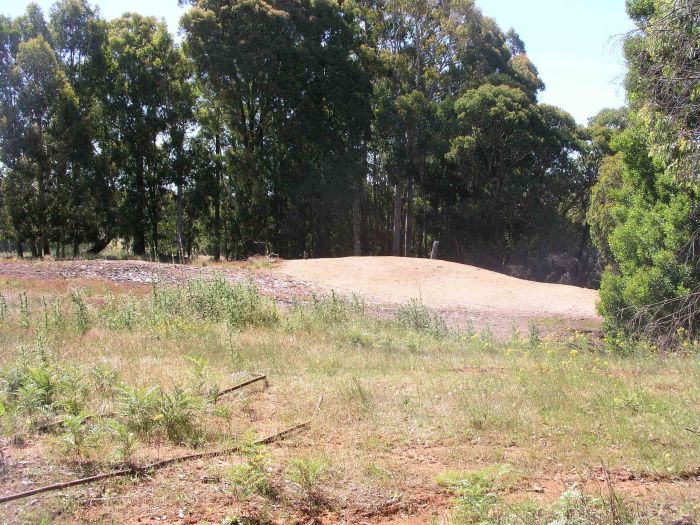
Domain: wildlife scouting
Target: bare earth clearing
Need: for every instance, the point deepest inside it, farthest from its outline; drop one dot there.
(460, 293)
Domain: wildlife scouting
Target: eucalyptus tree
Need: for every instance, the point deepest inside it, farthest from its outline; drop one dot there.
(289, 81)
(431, 51)
(144, 77)
(88, 212)
(39, 104)
(664, 69)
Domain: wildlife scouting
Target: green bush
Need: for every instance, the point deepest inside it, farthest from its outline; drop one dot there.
(418, 317)
(215, 300)
(644, 222)
(80, 312)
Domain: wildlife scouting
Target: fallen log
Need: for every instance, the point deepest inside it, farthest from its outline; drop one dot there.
(136, 470)
(225, 391)
(58, 422)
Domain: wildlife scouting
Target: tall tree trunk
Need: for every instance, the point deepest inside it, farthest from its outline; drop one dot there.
(217, 200)
(357, 219)
(154, 237)
(139, 226)
(358, 196)
(356, 224)
(98, 245)
(45, 245)
(581, 271)
(408, 231)
(32, 246)
(20, 249)
(396, 247)
(76, 247)
(180, 223)
(41, 183)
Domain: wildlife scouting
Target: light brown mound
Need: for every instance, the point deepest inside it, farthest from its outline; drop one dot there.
(443, 285)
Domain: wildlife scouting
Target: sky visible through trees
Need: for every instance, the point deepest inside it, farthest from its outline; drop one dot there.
(370, 127)
(583, 72)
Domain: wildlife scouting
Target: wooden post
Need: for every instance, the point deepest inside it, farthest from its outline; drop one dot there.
(434, 252)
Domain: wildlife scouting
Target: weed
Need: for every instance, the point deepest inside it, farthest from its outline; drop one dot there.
(3, 308)
(24, 317)
(416, 316)
(214, 300)
(125, 441)
(46, 313)
(252, 477)
(534, 335)
(123, 313)
(358, 394)
(146, 410)
(307, 474)
(36, 391)
(177, 414)
(81, 317)
(225, 413)
(258, 516)
(477, 495)
(57, 319)
(487, 338)
(76, 440)
(201, 382)
(106, 380)
(479, 502)
(139, 408)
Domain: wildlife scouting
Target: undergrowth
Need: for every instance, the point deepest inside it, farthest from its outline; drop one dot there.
(479, 499)
(108, 379)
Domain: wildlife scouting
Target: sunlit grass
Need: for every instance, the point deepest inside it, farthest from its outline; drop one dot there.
(394, 392)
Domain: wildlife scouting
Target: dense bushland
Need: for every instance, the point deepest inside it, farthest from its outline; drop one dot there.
(307, 127)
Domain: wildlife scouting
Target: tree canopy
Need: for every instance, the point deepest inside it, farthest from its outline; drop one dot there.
(305, 127)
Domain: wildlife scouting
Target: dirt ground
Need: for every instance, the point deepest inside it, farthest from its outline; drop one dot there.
(462, 294)
(445, 286)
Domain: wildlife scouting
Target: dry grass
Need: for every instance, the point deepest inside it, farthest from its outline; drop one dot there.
(413, 414)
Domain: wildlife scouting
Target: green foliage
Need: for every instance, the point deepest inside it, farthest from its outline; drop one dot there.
(376, 130)
(147, 410)
(36, 390)
(240, 305)
(77, 438)
(106, 380)
(643, 210)
(24, 310)
(479, 501)
(358, 395)
(662, 80)
(177, 415)
(139, 408)
(81, 317)
(307, 474)
(3, 308)
(122, 313)
(125, 441)
(252, 477)
(643, 219)
(414, 315)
